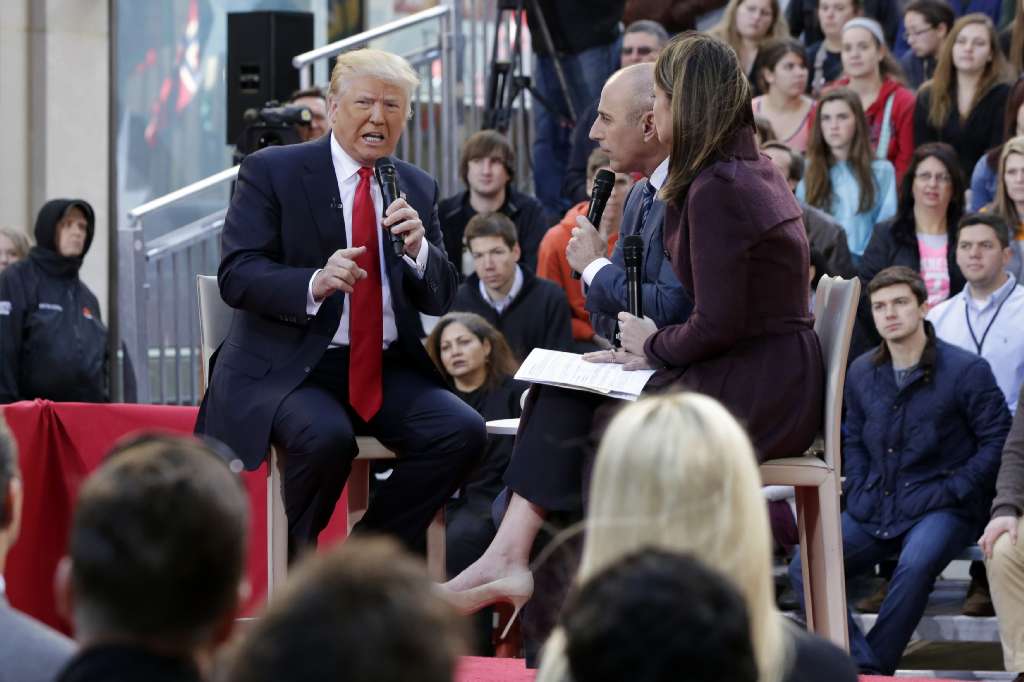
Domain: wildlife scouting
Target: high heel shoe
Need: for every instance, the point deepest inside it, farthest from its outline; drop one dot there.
(515, 589)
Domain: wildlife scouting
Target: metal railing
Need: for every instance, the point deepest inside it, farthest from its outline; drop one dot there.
(156, 307)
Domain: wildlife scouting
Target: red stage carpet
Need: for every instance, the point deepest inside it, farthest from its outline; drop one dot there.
(474, 669)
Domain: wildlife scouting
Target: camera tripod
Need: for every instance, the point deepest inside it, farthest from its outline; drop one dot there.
(506, 81)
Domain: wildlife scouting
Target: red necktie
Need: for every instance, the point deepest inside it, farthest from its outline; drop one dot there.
(366, 314)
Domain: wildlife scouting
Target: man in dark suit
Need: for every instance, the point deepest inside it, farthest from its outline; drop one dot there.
(325, 338)
(625, 131)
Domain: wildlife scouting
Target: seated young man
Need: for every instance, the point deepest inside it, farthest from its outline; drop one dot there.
(553, 264)
(156, 555)
(487, 168)
(925, 424)
(531, 312)
(985, 318)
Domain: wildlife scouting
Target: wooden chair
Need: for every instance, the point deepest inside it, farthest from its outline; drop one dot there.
(214, 322)
(816, 473)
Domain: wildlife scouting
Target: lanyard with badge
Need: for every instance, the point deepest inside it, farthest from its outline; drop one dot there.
(967, 317)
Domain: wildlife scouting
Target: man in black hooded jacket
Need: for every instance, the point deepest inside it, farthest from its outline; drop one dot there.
(53, 343)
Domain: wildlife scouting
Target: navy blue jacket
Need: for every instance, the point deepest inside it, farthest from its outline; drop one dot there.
(284, 223)
(935, 444)
(665, 300)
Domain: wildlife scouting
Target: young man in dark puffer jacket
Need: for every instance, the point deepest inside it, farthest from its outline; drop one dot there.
(925, 426)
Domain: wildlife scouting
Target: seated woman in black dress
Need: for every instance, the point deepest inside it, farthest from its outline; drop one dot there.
(477, 362)
(734, 235)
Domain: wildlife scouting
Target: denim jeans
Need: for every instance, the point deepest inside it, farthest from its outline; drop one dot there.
(923, 552)
(585, 74)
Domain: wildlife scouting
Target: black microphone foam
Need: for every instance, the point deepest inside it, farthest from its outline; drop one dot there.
(387, 177)
(633, 258)
(604, 182)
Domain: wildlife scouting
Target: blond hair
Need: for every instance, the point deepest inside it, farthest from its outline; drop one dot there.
(379, 64)
(21, 241)
(725, 29)
(1003, 205)
(677, 472)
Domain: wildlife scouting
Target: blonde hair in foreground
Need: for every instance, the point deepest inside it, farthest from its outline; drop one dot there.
(677, 472)
(379, 64)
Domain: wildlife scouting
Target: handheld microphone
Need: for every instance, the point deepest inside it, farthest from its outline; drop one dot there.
(387, 177)
(603, 184)
(633, 258)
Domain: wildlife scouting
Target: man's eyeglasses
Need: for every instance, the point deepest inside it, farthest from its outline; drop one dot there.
(920, 32)
(640, 51)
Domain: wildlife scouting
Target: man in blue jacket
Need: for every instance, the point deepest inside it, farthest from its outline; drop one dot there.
(925, 425)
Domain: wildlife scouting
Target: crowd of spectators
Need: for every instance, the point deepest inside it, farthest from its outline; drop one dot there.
(899, 128)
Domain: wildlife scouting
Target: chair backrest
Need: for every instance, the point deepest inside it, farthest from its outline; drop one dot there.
(214, 320)
(834, 327)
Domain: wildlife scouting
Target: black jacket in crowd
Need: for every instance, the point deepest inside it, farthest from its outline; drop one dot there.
(982, 130)
(802, 17)
(53, 343)
(894, 242)
(538, 317)
(532, 223)
(576, 25)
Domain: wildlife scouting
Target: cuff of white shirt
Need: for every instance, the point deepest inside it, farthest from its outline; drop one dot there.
(590, 272)
(312, 306)
(419, 265)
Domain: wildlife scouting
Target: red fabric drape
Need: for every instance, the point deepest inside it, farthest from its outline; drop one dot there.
(58, 445)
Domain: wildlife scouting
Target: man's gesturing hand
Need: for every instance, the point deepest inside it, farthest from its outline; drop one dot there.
(340, 273)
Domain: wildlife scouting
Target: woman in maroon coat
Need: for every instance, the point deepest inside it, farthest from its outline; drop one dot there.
(734, 235)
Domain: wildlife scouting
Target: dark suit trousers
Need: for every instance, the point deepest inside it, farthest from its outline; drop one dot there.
(438, 439)
(555, 447)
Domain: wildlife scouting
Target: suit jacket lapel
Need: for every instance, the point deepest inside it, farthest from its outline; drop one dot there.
(321, 185)
(631, 214)
(653, 229)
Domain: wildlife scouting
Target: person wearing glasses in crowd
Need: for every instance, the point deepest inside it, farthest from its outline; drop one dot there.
(642, 42)
(926, 24)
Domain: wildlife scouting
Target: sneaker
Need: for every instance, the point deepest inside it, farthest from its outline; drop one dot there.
(873, 602)
(978, 602)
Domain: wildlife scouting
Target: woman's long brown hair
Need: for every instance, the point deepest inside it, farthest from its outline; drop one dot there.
(501, 362)
(710, 101)
(817, 182)
(942, 87)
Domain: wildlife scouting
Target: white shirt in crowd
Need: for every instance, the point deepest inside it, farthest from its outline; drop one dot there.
(346, 169)
(991, 328)
(517, 286)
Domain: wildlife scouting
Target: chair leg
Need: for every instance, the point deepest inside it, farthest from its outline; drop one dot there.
(436, 559)
(822, 561)
(358, 491)
(277, 525)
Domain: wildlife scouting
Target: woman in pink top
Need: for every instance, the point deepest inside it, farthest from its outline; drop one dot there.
(781, 72)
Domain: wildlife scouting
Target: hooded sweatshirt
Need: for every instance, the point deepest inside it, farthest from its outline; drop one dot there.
(901, 122)
(53, 343)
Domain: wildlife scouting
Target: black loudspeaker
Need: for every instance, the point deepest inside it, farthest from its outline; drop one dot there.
(260, 50)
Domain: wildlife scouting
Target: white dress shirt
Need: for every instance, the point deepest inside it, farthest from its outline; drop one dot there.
(1002, 346)
(657, 179)
(347, 171)
(499, 306)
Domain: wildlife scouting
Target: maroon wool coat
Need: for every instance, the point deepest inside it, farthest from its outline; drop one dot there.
(739, 247)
